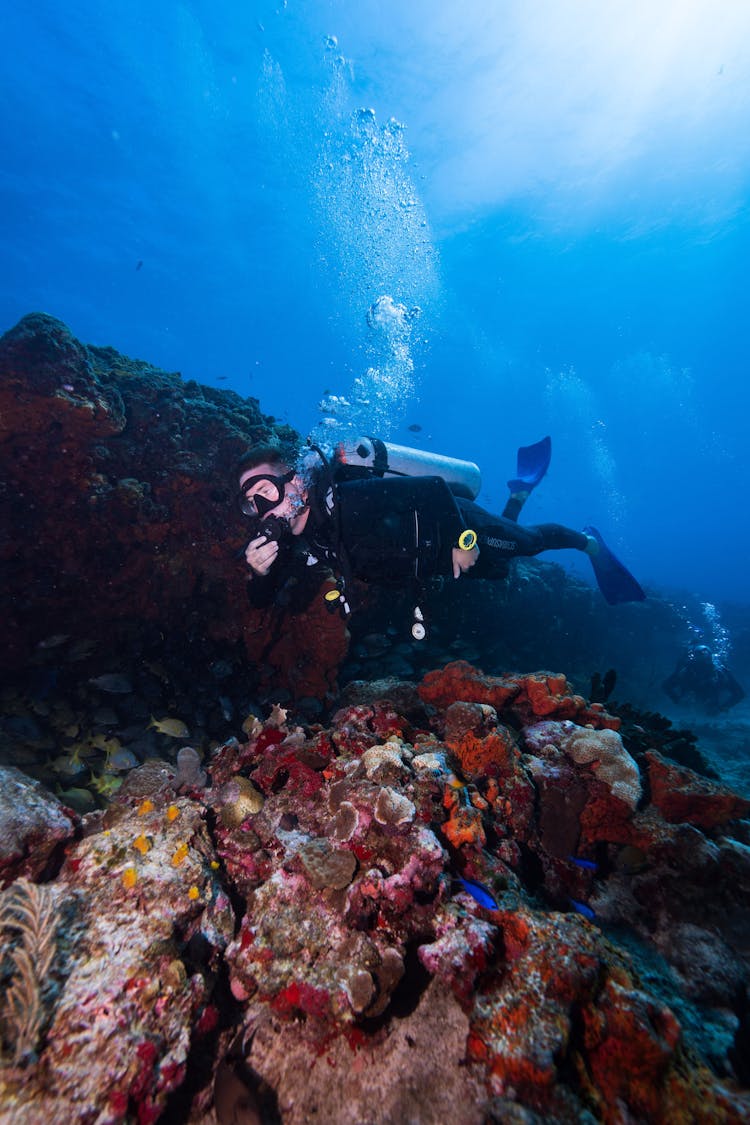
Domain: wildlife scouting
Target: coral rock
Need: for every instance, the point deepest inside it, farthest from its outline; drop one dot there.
(460, 682)
(539, 695)
(464, 718)
(327, 866)
(494, 755)
(603, 750)
(239, 799)
(382, 763)
(393, 808)
(32, 824)
(682, 795)
(464, 826)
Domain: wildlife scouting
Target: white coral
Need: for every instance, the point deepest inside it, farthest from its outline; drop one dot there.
(603, 750)
(380, 762)
(393, 808)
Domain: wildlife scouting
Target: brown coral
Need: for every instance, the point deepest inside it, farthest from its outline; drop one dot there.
(239, 800)
(327, 866)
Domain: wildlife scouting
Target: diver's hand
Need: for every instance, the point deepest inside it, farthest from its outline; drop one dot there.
(260, 554)
(463, 560)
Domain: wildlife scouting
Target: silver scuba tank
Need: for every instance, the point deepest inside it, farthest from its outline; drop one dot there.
(382, 457)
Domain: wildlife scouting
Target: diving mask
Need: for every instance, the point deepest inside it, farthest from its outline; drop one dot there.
(257, 504)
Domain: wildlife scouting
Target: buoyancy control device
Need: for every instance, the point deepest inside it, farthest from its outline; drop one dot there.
(369, 456)
(385, 459)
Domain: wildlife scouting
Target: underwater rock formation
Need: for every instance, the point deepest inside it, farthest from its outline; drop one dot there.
(118, 501)
(441, 905)
(119, 524)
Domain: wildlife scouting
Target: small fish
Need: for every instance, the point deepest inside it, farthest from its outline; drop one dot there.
(586, 864)
(78, 750)
(54, 641)
(113, 682)
(67, 765)
(461, 788)
(105, 783)
(479, 893)
(175, 728)
(415, 428)
(121, 759)
(106, 745)
(221, 378)
(582, 908)
(79, 799)
(139, 265)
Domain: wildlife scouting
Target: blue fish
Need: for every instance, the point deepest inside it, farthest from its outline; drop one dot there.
(586, 864)
(479, 893)
(583, 909)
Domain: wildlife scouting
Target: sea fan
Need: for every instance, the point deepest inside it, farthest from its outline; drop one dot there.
(28, 923)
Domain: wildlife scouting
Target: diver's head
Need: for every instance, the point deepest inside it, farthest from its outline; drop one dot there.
(268, 487)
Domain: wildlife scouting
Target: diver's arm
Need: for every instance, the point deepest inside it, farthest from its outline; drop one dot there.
(463, 560)
(735, 692)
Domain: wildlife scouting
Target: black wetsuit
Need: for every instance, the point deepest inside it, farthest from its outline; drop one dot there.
(703, 679)
(500, 538)
(395, 531)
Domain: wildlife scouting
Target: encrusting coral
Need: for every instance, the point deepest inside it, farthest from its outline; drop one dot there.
(601, 749)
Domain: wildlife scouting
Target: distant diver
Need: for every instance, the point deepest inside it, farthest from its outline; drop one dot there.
(702, 678)
(385, 514)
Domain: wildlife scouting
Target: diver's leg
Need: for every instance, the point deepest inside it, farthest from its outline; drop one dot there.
(501, 539)
(514, 504)
(532, 464)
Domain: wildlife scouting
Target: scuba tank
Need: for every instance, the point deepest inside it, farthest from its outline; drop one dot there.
(385, 459)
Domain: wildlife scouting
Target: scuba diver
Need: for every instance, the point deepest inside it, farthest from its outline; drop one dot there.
(702, 678)
(385, 514)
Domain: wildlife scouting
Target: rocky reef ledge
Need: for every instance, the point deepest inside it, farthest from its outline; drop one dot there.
(470, 898)
(117, 504)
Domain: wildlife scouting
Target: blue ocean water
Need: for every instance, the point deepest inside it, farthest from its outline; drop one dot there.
(491, 222)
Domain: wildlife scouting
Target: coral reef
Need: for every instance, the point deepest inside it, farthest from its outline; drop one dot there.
(122, 478)
(478, 907)
(461, 895)
(33, 824)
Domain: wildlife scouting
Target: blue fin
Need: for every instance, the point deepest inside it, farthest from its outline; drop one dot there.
(533, 462)
(614, 580)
